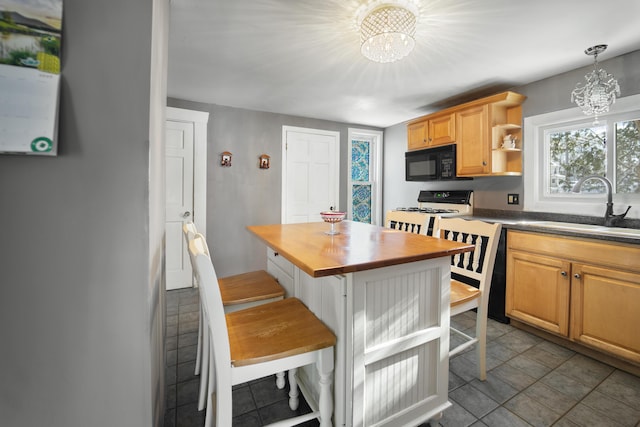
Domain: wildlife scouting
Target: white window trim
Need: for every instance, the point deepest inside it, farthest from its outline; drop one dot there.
(375, 173)
(535, 169)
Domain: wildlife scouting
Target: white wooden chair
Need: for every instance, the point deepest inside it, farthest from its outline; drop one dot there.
(243, 290)
(238, 292)
(261, 341)
(412, 222)
(472, 268)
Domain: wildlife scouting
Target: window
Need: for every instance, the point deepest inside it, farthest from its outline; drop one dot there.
(564, 146)
(574, 153)
(364, 176)
(627, 135)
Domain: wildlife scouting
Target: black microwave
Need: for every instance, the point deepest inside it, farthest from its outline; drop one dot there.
(431, 164)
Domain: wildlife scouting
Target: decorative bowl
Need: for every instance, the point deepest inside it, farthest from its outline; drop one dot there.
(332, 217)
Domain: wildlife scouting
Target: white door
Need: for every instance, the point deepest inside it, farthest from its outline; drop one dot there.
(310, 173)
(179, 201)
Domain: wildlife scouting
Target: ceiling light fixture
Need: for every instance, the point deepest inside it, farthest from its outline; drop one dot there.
(387, 30)
(601, 88)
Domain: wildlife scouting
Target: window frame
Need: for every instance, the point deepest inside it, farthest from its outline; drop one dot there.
(375, 172)
(536, 165)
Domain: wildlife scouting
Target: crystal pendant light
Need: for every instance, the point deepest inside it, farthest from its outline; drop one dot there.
(387, 32)
(600, 90)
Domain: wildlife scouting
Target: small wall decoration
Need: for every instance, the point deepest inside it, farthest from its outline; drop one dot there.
(225, 159)
(264, 161)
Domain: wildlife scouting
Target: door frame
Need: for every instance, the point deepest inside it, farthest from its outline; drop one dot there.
(199, 120)
(283, 192)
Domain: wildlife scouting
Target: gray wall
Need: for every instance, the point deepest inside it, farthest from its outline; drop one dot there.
(80, 298)
(243, 194)
(543, 96)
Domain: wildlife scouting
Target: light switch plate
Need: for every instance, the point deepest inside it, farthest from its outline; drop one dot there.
(513, 199)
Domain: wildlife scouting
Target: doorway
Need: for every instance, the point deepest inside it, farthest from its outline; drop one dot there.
(185, 189)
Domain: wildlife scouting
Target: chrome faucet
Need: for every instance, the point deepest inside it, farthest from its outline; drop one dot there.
(610, 220)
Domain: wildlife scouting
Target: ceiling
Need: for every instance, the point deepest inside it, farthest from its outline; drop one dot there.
(302, 57)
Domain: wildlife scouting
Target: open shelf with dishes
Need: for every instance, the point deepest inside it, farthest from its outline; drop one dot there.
(506, 141)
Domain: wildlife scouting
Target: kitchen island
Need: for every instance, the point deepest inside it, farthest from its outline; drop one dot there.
(385, 294)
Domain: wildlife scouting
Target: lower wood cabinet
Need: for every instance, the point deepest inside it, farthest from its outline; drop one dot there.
(605, 309)
(585, 290)
(538, 289)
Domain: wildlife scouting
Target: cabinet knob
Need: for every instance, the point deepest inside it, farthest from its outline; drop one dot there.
(484, 163)
(563, 273)
(577, 276)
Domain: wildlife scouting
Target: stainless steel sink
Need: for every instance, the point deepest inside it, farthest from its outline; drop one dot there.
(585, 228)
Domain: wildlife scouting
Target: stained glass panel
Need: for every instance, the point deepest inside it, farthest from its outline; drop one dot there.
(360, 153)
(362, 203)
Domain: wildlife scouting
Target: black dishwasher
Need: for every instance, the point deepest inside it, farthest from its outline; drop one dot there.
(496, 309)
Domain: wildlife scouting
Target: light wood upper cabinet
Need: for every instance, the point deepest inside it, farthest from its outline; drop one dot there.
(584, 290)
(487, 132)
(442, 129)
(436, 130)
(417, 135)
(473, 150)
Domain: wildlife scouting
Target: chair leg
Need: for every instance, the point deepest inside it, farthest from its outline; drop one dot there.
(220, 406)
(280, 380)
(199, 347)
(293, 390)
(204, 377)
(481, 345)
(325, 369)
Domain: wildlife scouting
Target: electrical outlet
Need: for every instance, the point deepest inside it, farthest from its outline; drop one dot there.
(513, 199)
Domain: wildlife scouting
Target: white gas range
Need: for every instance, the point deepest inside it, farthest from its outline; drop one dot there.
(431, 205)
(443, 203)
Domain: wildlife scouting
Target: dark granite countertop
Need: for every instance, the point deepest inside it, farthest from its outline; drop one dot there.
(535, 221)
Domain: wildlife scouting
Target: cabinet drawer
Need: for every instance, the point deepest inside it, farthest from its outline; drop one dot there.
(614, 255)
(280, 261)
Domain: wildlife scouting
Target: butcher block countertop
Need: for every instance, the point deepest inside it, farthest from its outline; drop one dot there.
(358, 247)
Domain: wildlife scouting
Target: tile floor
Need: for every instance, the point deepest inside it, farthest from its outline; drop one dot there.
(530, 382)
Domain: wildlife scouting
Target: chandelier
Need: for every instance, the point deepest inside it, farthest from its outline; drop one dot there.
(387, 31)
(600, 90)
